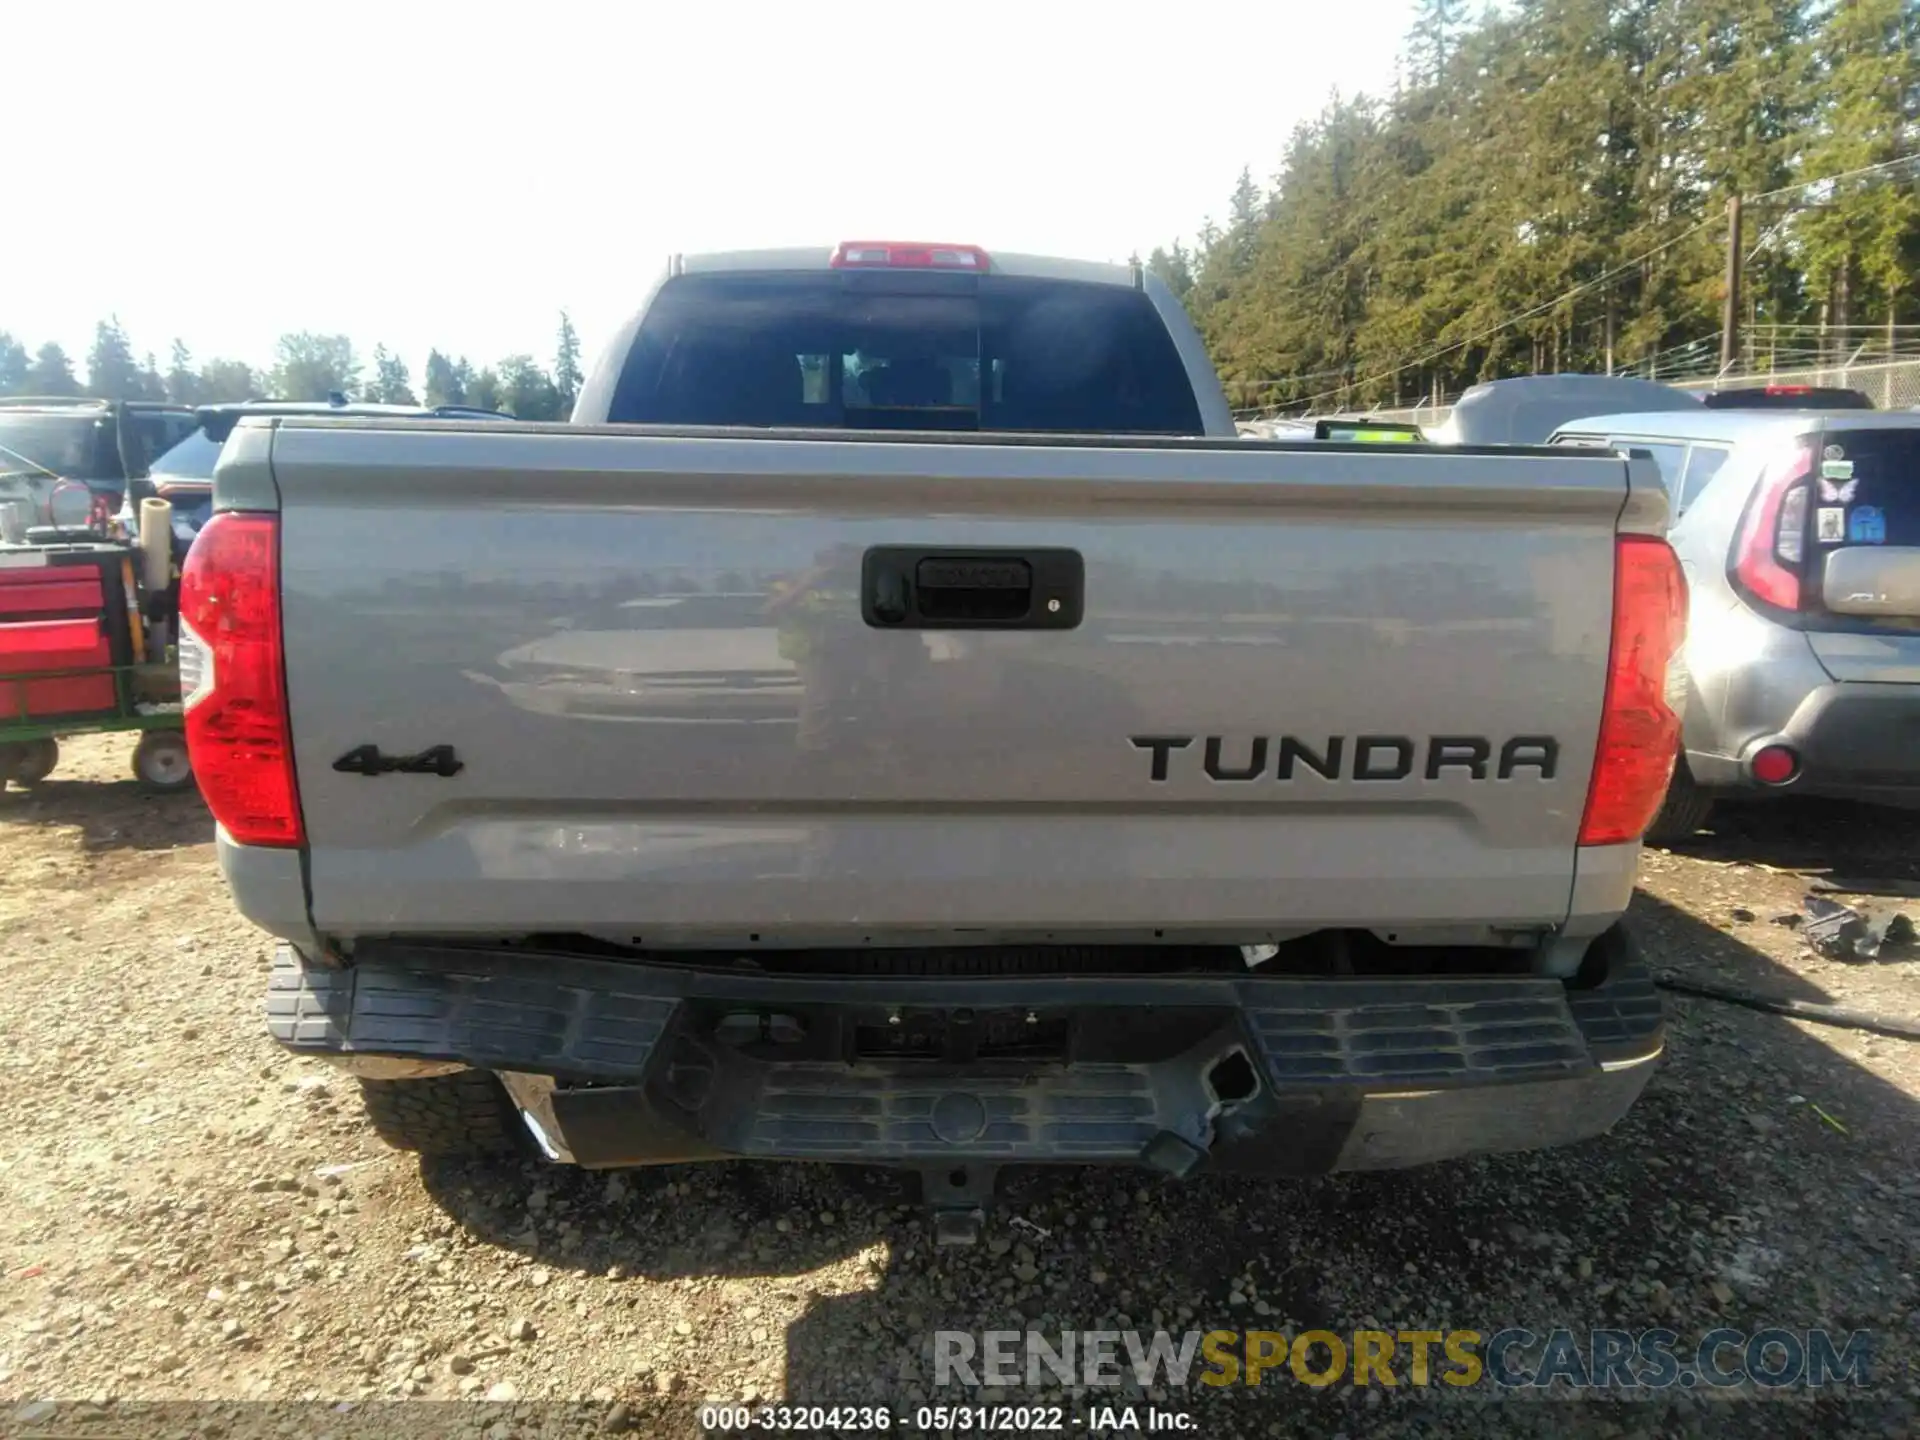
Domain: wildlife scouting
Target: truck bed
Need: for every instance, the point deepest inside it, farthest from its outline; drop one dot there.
(646, 651)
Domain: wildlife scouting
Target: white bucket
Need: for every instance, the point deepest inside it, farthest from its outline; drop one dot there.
(156, 544)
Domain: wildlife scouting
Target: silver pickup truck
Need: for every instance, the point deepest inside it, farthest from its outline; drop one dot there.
(897, 722)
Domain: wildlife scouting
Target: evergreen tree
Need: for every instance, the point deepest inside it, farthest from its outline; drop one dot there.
(1859, 244)
(313, 367)
(482, 388)
(13, 365)
(229, 381)
(567, 378)
(1243, 221)
(152, 386)
(183, 385)
(1545, 190)
(391, 383)
(526, 390)
(111, 372)
(1430, 43)
(442, 381)
(52, 372)
(1175, 266)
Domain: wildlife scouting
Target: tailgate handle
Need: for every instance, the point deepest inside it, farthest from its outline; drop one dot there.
(906, 587)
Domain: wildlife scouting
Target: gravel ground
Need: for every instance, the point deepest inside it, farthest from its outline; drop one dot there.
(187, 1215)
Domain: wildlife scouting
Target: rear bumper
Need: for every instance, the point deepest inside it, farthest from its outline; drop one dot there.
(618, 1063)
(1855, 741)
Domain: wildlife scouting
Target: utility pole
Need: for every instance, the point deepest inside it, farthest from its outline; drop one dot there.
(1609, 329)
(1730, 312)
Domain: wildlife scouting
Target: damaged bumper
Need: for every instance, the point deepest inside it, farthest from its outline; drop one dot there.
(617, 1063)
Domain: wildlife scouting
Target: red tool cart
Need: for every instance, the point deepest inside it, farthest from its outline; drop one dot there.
(73, 660)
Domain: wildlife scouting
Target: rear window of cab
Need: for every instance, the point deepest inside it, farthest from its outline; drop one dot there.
(850, 350)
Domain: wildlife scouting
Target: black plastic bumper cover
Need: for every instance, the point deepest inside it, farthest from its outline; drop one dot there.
(1856, 741)
(1337, 1074)
(1860, 740)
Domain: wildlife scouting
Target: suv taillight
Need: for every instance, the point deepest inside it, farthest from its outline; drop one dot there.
(1773, 533)
(233, 680)
(1639, 732)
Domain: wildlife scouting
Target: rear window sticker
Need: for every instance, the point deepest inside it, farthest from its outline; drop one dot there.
(1867, 526)
(1835, 452)
(1836, 469)
(1838, 494)
(1832, 522)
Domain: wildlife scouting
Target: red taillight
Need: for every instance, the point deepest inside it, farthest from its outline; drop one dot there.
(1773, 535)
(1774, 764)
(1639, 732)
(1789, 390)
(233, 678)
(908, 255)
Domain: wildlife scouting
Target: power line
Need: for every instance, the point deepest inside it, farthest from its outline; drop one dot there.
(1286, 380)
(1511, 321)
(1563, 298)
(1835, 179)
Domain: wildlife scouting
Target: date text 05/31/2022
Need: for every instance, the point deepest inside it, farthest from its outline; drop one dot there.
(1118, 1419)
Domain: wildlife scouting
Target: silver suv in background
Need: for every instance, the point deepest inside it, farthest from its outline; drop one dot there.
(1800, 537)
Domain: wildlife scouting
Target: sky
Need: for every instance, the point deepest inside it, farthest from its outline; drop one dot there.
(436, 175)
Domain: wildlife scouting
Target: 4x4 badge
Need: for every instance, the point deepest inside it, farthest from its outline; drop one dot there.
(367, 760)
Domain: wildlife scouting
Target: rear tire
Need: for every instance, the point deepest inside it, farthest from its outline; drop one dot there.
(464, 1114)
(160, 760)
(1684, 810)
(31, 761)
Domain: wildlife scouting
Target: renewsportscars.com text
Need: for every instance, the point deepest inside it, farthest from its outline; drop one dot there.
(1513, 1358)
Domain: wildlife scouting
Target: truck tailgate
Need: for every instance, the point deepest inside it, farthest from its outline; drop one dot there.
(647, 653)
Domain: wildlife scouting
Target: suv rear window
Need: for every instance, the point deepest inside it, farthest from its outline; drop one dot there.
(191, 459)
(1874, 478)
(78, 445)
(904, 351)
